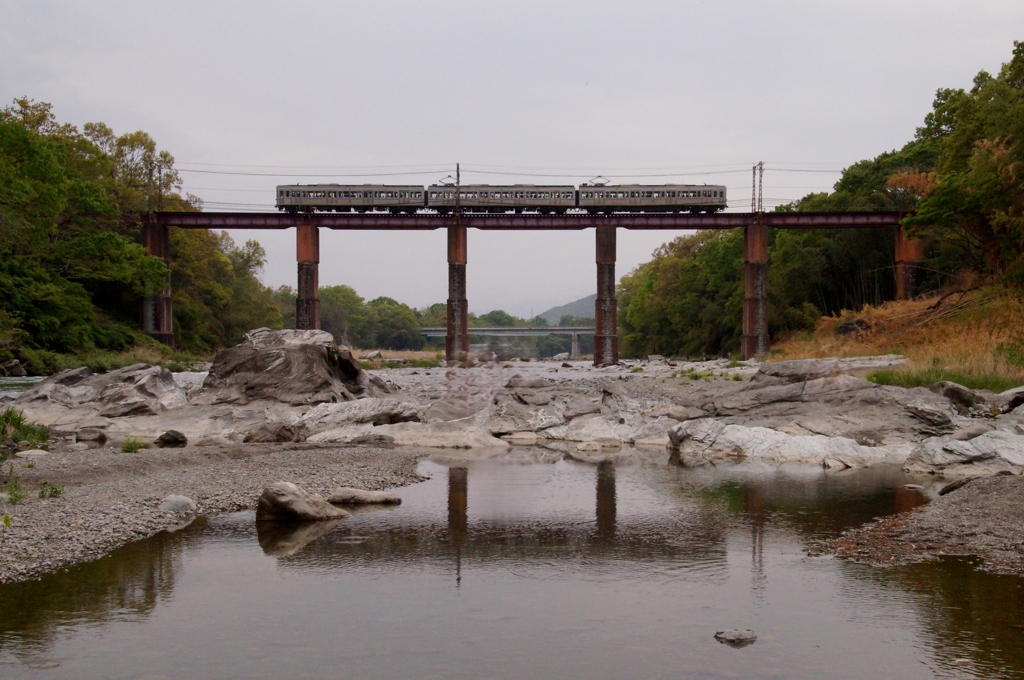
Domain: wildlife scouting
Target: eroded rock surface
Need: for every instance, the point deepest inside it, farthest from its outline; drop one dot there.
(286, 502)
(290, 366)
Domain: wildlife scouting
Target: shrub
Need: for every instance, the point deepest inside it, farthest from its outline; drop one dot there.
(132, 445)
(13, 424)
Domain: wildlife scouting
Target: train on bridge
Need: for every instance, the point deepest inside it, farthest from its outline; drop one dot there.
(486, 198)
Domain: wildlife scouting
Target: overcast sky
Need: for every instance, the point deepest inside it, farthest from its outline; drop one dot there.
(347, 91)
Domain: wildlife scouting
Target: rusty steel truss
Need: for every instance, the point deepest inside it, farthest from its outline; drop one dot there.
(155, 233)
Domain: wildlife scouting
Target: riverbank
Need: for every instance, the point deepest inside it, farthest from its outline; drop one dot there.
(111, 498)
(981, 519)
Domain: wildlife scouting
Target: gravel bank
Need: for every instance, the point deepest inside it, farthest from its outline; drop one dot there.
(111, 498)
(981, 519)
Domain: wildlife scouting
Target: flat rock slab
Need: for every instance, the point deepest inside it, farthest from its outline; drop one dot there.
(32, 453)
(286, 502)
(350, 496)
(736, 637)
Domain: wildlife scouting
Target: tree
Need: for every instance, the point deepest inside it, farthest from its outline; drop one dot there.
(393, 325)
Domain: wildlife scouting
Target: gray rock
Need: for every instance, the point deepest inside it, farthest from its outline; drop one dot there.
(135, 390)
(971, 432)
(370, 356)
(171, 439)
(91, 435)
(214, 440)
(349, 496)
(176, 503)
(373, 410)
(938, 419)
(564, 356)
(13, 369)
(736, 637)
(534, 383)
(273, 433)
(986, 454)
(285, 502)
(32, 453)
(296, 367)
(956, 393)
(710, 442)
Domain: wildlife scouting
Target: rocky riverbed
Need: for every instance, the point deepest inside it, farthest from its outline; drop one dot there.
(295, 405)
(110, 498)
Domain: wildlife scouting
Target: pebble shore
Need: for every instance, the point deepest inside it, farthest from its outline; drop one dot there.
(111, 498)
(983, 519)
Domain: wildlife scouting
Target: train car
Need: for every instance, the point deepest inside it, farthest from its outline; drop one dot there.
(350, 197)
(694, 198)
(485, 198)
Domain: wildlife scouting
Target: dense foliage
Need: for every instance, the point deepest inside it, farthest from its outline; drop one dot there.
(72, 268)
(963, 174)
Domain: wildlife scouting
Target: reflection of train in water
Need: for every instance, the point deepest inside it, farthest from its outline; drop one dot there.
(485, 198)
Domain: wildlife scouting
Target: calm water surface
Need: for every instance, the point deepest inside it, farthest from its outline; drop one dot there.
(525, 569)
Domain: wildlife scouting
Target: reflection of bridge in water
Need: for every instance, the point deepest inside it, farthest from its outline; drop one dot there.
(665, 536)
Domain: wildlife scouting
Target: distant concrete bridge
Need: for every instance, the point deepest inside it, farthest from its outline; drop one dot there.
(513, 331)
(519, 332)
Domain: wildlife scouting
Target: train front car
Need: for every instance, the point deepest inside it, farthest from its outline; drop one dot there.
(350, 198)
(487, 198)
(694, 198)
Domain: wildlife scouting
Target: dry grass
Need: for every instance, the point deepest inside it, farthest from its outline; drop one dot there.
(980, 333)
(411, 355)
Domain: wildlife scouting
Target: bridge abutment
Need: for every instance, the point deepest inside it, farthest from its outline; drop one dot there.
(307, 252)
(606, 339)
(157, 310)
(755, 293)
(456, 341)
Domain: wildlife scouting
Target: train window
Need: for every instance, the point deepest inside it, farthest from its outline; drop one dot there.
(648, 194)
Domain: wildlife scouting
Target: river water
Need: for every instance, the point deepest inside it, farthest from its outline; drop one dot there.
(520, 569)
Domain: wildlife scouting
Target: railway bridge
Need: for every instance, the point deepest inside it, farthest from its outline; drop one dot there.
(157, 311)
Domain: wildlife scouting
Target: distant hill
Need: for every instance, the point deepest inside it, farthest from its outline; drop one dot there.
(584, 307)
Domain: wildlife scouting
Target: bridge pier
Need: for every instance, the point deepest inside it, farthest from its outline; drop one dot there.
(755, 295)
(456, 341)
(307, 253)
(575, 351)
(909, 254)
(157, 310)
(606, 339)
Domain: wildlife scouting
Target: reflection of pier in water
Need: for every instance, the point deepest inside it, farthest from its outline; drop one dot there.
(676, 536)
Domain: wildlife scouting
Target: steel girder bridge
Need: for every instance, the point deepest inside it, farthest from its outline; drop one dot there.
(157, 311)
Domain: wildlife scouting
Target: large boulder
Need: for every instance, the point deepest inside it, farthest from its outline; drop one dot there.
(285, 502)
(291, 366)
(985, 454)
(136, 390)
(709, 442)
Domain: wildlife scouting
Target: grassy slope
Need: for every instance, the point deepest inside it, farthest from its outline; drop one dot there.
(975, 339)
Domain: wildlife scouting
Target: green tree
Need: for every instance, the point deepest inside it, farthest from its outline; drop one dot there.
(393, 325)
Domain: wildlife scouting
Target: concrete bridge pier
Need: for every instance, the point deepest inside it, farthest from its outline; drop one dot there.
(755, 296)
(575, 351)
(606, 339)
(307, 250)
(909, 254)
(157, 311)
(456, 341)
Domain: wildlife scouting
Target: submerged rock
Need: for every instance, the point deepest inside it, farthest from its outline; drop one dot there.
(736, 637)
(291, 366)
(285, 502)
